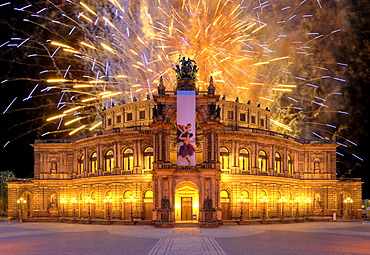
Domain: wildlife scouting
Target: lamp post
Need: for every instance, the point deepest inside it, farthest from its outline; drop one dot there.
(20, 202)
(297, 200)
(348, 202)
(63, 201)
(282, 200)
(242, 200)
(131, 199)
(74, 202)
(89, 200)
(264, 200)
(108, 201)
(307, 201)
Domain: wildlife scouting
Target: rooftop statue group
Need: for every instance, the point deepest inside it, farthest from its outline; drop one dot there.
(187, 69)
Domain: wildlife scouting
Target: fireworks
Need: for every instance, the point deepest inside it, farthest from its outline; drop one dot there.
(103, 53)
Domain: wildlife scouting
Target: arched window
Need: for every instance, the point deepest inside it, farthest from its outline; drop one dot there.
(244, 159)
(224, 196)
(126, 195)
(148, 158)
(290, 165)
(109, 161)
(128, 159)
(109, 194)
(245, 195)
(262, 161)
(148, 194)
(81, 164)
(94, 162)
(224, 158)
(277, 162)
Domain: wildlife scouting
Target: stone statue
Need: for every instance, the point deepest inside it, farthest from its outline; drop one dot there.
(207, 203)
(155, 112)
(212, 109)
(53, 168)
(187, 70)
(316, 166)
(165, 203)
(317, 201)
(218, 112)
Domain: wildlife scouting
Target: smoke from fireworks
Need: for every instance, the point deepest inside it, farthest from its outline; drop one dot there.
(102, 53)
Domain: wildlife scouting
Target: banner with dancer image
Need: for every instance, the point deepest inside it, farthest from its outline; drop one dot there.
(186, 128)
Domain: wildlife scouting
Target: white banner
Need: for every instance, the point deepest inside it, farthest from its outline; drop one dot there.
(186, 128)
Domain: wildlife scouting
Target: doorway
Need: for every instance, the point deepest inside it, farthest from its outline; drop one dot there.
(225, 205)
(148, 205)
(186, 208)
(186, 202)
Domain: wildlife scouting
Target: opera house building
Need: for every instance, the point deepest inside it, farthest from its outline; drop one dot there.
(184, 156)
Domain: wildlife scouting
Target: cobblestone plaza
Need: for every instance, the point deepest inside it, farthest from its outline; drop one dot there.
(296, 238)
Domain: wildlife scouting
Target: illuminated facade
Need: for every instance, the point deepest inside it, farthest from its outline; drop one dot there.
(243, 170)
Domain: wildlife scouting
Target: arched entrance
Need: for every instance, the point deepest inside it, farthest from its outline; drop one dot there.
(148, 205)
(225, 205)
(186, 202)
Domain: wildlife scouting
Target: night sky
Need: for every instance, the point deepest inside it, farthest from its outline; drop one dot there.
(25, 120)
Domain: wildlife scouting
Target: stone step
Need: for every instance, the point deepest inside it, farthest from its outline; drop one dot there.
(187, 225)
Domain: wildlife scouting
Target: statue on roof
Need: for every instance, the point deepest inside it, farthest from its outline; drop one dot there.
(187, 69)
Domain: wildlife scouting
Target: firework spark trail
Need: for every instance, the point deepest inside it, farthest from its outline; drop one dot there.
(107, 52)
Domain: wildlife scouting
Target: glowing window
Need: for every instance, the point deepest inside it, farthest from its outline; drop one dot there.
(245, 194)
(126, 195)
(277, 162)
(148, 194)
(224, 158)
(148, 158)
(94, 162)
(109, 161)
(81, 164)
(128, 159)
(224, 196)
(244, 159)
(262, 161)
(290, 165)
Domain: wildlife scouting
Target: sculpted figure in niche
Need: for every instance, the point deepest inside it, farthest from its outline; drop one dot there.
(316, 166)
(53, 205)
(317, 201)
(165, 203)
(207, 203)
(53, 168)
